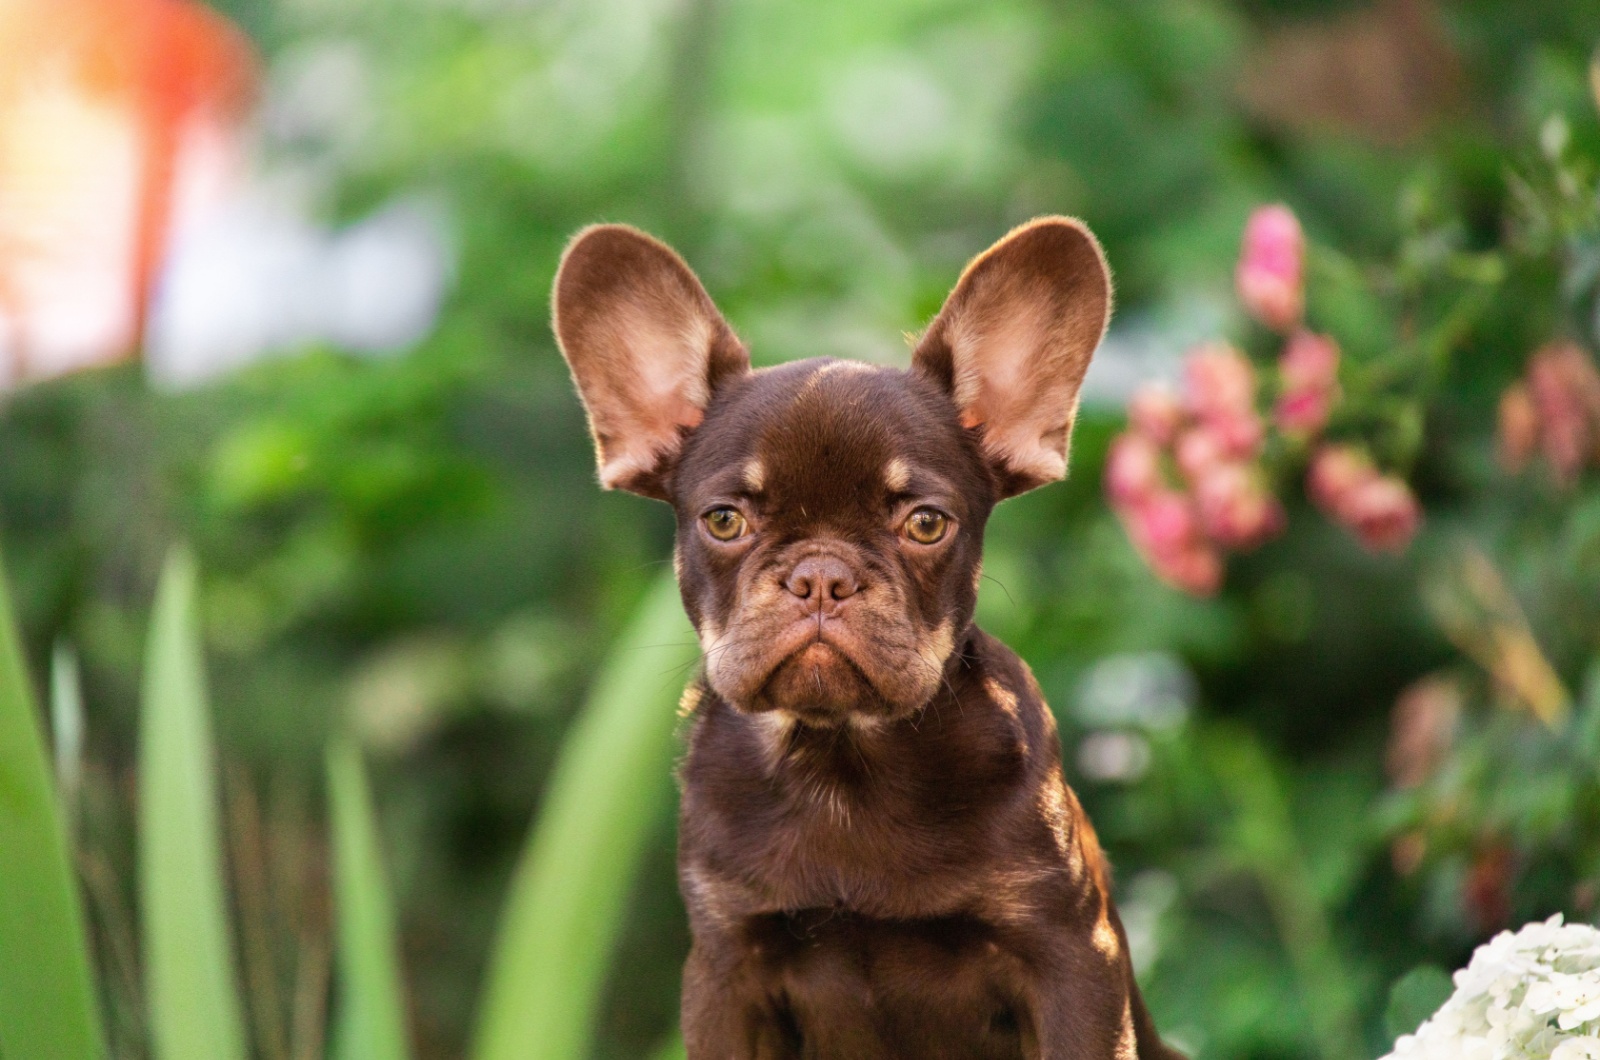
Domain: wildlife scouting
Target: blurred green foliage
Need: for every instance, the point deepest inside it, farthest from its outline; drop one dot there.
(414, 549)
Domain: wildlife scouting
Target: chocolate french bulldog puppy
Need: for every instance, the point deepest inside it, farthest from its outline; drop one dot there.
(878, 851)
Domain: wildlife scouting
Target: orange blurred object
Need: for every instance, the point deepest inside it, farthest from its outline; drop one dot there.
(116, 117)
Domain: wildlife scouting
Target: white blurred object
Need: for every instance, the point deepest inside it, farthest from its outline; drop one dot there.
(892, 114)
(1532, 995)
(68, 220)
(1113, 756)
(1145, 346)
(111, 112)
(254, 277)
(1144, 900)
(1153, 690)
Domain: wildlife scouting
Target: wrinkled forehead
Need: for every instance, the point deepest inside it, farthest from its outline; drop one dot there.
(816, 435)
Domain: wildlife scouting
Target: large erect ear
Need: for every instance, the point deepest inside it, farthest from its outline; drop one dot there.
(646, 347)
(1012, 343)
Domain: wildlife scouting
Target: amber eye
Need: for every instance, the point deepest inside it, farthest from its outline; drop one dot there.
(927, 526)
(725, 524)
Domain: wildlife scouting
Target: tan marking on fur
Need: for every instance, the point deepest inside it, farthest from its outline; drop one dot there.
(1053, 807)
(755, 476)
(704, 892)
(896, 475)
(846, 366)
(1127, 1040)
(828, 369)
(938, 645)
(774, 727)
(690, 700)
(710, 636)
(1004, 698)
(1104, 939)
(1008, 896)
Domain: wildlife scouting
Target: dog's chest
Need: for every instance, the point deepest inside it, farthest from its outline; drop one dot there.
(870, 989)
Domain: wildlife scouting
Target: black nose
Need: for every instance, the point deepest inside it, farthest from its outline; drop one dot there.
(822, 581)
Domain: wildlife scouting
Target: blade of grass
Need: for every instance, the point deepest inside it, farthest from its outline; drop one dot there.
(609, 786)
(48, 1005)
(672, 1049)
(189, 962)
(66, 726)
(372, 1024)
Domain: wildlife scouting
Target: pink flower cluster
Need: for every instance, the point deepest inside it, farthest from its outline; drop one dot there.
(1379, 509)
(1219, 498)
(1555, 409)
(1186, 478)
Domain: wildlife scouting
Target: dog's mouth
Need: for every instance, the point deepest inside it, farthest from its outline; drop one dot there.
(822, 678)
(821, 682)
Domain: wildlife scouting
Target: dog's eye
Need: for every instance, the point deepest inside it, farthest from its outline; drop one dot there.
(927, 526)
(725, 524)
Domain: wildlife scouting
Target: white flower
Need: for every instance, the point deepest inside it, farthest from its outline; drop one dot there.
(1532, 995)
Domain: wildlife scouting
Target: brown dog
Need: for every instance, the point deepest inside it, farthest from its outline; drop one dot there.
(878, 851)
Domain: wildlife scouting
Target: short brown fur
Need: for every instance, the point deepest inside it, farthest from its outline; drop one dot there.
(878, 851)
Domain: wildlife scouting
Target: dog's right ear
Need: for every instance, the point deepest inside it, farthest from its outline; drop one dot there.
(646, 347)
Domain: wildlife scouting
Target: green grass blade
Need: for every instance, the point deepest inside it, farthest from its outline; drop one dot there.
(48, 1006)
(66, 726)
(188, 948)
(372, 1023)
(672, 1049)
(609, 787)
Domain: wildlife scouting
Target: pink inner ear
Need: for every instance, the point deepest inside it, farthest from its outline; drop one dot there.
(1015, 377)
(655, 389)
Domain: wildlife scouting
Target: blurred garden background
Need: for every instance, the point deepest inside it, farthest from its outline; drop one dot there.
(274, 283)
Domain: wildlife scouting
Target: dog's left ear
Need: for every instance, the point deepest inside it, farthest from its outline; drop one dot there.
(1013, 341)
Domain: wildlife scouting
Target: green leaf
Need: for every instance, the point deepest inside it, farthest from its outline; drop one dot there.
(48, 1006)
(188, 949)
(1416, 996)
(608, 788)
(372, 1023)
(672, 1049)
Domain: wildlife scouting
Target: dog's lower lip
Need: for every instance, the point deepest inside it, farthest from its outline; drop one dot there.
(816, 652)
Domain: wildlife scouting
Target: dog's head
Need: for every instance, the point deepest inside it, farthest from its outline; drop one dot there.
(831, 513)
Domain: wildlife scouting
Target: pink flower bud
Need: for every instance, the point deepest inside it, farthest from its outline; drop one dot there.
(1383, 513)
(1565, 391)
(1518, 427)
(1564, 428)
(1133, 469)
(1236, 510)
(1162, 523)
(1309, 374)
(1199, 449)
(1196, 570)
(1219, 381)
(1240, 435)
(1271, 262)
(1155, 413)
(1335, 471)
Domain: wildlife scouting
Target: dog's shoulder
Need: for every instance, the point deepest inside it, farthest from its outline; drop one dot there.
(1003, 681)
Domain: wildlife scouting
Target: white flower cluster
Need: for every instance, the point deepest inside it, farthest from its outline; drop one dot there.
(1533, 995)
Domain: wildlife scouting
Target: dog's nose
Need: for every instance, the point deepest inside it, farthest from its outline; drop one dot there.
(822, 582)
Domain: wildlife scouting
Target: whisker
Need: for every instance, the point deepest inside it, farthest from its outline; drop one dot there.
(997, 581)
